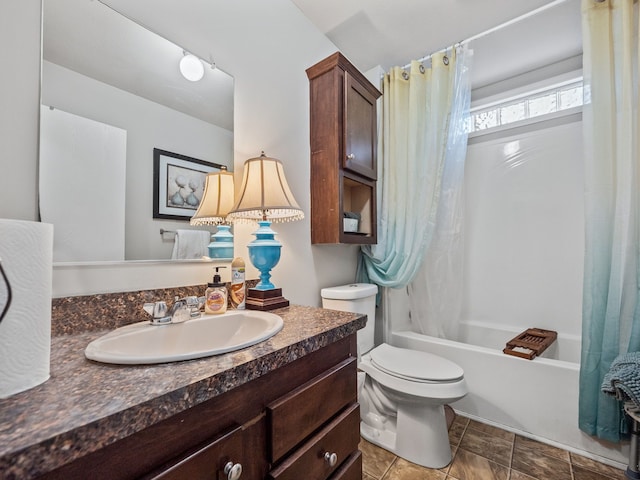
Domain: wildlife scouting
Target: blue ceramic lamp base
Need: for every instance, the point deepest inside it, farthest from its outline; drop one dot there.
(264, 253)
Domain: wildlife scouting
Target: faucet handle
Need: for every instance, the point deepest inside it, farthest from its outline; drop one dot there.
(191, 301)
(194, 304)
(156, 309)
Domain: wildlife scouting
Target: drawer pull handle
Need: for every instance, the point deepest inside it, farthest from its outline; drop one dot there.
(233, 470)
(351, 156)
(331, 459)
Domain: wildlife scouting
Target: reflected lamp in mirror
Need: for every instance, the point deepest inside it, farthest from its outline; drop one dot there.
(266, 197)
(216, 203)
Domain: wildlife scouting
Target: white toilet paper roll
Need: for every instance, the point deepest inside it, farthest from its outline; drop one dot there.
(26, 253)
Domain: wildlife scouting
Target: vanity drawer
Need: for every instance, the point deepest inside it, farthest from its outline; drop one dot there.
(208, 461)
(295, 416)
(351, 469)
(339, 437)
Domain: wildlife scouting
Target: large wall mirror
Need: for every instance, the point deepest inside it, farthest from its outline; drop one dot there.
(112, 91)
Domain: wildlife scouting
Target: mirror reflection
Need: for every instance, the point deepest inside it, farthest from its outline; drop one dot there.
(112, 91)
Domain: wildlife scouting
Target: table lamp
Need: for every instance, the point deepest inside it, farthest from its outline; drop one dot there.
(266, 197)
(216, 203)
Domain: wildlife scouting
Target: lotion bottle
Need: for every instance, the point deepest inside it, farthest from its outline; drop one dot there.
(216, 296)
(238, 285)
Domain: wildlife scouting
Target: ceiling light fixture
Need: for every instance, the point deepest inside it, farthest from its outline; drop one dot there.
(191, 67)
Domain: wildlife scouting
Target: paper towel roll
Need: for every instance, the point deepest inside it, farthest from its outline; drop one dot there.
(26, 253)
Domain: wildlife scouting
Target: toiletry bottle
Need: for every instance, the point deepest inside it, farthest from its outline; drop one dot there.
(238, 285)
(216, 295)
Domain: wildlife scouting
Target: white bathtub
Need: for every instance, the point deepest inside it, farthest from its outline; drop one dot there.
(536, 398)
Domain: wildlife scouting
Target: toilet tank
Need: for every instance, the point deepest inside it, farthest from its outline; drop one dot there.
(357, 298)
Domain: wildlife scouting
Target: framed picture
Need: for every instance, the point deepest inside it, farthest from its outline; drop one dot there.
(178, 184)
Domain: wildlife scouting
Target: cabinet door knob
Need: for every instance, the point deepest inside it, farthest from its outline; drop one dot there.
(331, 459)
(233, 470)
(351, 156)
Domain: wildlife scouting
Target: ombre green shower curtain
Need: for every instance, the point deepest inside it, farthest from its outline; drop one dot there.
(611, 312)
(422, 128)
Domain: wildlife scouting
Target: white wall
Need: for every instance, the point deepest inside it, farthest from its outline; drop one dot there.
(20, 100)
(266, 47)
(524, 229)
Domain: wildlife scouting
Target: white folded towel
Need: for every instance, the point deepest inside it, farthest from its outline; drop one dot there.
(191, 244)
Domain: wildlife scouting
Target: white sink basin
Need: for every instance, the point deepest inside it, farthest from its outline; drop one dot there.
(142, 343)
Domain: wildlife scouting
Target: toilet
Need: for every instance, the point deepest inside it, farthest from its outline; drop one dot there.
(401, 392)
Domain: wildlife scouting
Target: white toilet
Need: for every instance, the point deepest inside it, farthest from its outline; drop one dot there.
(401, 392)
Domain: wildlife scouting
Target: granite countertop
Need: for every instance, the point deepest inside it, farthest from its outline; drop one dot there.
(87, 405)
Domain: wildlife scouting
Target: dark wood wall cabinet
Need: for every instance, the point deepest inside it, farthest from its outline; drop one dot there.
(343, 153)
(300, 421)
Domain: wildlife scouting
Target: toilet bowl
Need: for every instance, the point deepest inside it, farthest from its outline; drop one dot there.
(402, 403)
(401, 392)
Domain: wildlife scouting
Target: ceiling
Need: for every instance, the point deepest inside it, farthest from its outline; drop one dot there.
(385, 33)
(370, 33)
(90, 38)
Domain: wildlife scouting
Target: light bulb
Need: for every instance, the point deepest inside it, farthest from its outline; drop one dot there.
(191, 68)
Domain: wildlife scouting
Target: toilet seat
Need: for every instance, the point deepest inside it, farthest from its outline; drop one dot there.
(452, 388)
(415, 366)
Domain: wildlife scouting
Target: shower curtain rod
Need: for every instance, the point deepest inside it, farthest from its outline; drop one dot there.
(508, 23)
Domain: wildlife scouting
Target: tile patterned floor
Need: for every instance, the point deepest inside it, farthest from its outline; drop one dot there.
(484, 452)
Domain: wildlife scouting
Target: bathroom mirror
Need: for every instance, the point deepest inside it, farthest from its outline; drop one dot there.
(112, 91)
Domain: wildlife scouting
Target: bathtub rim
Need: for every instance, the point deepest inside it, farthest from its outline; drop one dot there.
(490, 351)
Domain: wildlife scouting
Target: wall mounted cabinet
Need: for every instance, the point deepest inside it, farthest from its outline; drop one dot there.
(343, 152)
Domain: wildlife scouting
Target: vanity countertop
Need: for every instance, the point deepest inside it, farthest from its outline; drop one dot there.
(86, 405)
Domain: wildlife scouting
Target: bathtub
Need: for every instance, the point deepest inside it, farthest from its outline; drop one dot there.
(535, 398)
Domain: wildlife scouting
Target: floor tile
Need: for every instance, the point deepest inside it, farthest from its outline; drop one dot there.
(588, 464)
(450, 415)
(457, 430)
(515, 475)
(539, 448)
(375, 460)
(404, 470)
(491, 430)
(493, 447)
(581, 473)
(482, 452)
(469, 466)
(529, 459)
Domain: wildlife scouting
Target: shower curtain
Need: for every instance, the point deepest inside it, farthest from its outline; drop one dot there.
(422, 150)
(611, 313)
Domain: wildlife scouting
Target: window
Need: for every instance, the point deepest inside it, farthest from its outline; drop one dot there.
(534, 104)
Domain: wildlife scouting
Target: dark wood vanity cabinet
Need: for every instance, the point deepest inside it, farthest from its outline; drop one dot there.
(316, 427)
(300, 421)
(343, 152)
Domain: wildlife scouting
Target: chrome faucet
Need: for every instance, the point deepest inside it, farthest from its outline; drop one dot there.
(182, 310)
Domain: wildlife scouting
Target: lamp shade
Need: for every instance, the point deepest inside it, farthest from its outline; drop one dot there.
(217, 199)
(265, 194)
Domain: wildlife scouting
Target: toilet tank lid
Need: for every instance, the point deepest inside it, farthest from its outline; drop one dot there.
(351, 291)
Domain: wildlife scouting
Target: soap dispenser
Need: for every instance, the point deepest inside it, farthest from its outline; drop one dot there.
(216, 295)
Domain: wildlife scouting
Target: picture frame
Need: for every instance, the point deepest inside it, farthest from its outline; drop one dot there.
(178, 184)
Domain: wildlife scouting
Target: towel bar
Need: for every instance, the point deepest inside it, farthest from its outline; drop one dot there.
(163, 231)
